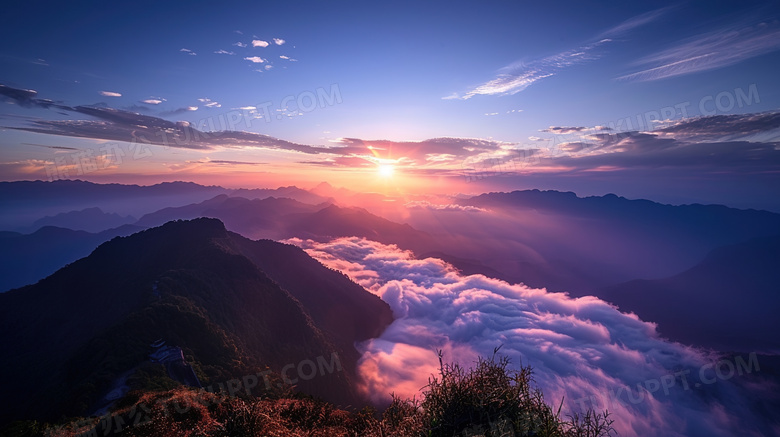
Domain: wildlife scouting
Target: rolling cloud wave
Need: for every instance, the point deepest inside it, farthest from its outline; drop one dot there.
(584, 351)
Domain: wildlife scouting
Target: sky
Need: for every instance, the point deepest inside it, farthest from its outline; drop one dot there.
(670, 101)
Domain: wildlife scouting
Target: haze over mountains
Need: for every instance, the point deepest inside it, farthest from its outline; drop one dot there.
(27, 258)
(89, 219)
(729, 301)
(27, 201)
(539, 238)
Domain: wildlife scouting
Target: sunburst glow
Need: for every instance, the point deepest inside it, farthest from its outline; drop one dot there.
(386, 170)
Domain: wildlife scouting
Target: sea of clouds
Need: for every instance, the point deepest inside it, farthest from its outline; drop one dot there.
(584, 351)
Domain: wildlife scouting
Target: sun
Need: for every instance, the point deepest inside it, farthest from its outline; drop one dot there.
(386, 170)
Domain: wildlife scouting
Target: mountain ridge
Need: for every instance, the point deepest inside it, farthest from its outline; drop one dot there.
(187, 282)
(746, 271)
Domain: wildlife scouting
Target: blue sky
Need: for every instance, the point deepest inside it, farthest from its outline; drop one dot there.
(399, 71)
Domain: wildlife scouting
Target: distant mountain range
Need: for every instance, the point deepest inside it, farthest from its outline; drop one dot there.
(630, 252)
(27, 258)
(89, 219)
(567, 243)
(24, 202)
(257, 218)
(235, 307)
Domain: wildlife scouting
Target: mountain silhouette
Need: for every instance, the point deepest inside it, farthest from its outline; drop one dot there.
(30, 257)
(582, 244)
(255, 218)
(334, 221)
(26, 201)
(89, 219)
(280, 218)
(291, 192)
(27, 258)
(234, 306)
(728, 301)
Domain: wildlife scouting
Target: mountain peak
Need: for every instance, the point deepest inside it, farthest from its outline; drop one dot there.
(194, 229)
(213, 293)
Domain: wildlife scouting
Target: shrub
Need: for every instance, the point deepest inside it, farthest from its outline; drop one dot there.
(492, 400)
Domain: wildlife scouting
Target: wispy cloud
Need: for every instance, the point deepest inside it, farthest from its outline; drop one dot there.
(117, 125)
(727, 46)
(745, 143)
(727, 127)
(23, 168)
(224, 52)
(722, 144)
(209, 103)
(634, 22)
(188, 51)
(279, 41)
(64, 148)
(25, 98)
(259, 43)
(423, 204)
(153, 100)
(110, 94)
(240, 44)
(226, 162)
(255, 59)
(564, 129)
(208, 162)
(417, 153)
(180, 110)
(518, 76)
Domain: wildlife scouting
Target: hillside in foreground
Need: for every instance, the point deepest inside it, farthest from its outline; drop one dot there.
(234, 307)
(486, 400)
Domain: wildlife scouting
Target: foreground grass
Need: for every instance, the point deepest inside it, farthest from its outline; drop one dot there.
(488, 400)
